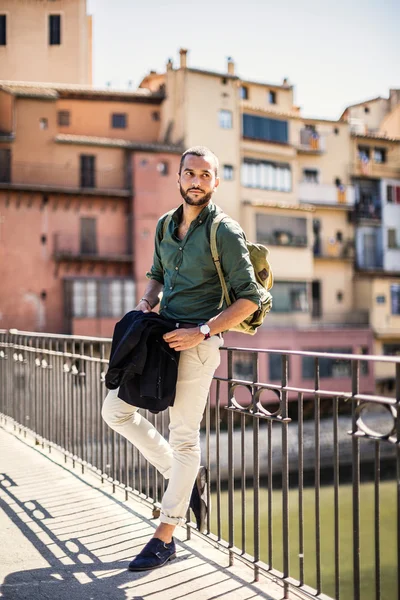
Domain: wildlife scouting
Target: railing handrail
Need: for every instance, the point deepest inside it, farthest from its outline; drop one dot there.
(334, 355)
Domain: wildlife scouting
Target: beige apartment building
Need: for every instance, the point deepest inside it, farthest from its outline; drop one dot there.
(375, 171)
(295, 184)
(45, 41)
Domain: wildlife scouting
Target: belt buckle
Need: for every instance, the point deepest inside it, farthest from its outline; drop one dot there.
(177, 325)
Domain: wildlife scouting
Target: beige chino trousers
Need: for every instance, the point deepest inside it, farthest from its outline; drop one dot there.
(178, 459)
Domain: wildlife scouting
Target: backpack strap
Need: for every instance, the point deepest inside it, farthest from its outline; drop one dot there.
(167, 221)
(214, 252)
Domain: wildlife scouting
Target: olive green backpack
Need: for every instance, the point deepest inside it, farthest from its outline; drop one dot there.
(262, 270)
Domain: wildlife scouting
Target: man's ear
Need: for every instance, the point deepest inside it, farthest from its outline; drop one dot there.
(178, 179)
(217, 182)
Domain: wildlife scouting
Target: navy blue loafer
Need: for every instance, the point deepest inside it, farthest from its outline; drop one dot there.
(154, 555)
(198, 499)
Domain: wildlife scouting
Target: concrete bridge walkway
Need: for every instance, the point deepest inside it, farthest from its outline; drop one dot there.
(65, 536)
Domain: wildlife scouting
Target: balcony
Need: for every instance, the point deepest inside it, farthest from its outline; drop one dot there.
(311, 142)
(378, 170)
(369, 210)
(48, 177)
(283, 238)
(327, 195)
(320, 319)
(106, 248)
(332, 248)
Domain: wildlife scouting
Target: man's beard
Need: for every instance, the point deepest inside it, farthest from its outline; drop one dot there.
(202, 201)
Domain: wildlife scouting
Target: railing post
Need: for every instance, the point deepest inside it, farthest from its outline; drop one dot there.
(356, 482)
(285, 473)
(231, 474)
(398, 472)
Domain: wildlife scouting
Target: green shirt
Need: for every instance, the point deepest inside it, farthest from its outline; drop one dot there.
(192, 289)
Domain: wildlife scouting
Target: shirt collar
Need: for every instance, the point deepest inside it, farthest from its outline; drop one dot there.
(202, 216)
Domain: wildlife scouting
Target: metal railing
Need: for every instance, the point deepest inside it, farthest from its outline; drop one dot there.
(73, 246)
(304, 481)
(64, 177)
(333, 248)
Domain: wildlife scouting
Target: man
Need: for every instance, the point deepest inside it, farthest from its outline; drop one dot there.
(184, 271)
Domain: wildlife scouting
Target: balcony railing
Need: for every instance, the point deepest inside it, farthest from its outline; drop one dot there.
(69, 246)
(355, 318)
(283, 238)
(370, 168)
(312, 142)
(369, 209)
(48, 176)
(332, 248)
(317, 193)
(304, 481)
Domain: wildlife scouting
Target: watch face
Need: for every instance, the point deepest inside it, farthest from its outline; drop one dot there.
(205, 329)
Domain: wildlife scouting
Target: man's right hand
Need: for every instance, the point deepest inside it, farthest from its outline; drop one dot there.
(143, 306)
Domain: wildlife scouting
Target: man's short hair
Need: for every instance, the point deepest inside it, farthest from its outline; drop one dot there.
(200, 151)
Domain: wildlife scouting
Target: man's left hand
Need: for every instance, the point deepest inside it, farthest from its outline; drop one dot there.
(183, 339)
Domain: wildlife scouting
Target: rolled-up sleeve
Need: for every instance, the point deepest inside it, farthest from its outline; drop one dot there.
(157, 272)
(235, 261)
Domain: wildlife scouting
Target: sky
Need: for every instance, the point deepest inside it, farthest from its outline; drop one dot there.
(334, 53)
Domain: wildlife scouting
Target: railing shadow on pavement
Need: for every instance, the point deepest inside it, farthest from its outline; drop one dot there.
(88, 555)
(290, 495)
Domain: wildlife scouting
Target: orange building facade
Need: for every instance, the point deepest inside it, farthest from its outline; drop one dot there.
(78, 204)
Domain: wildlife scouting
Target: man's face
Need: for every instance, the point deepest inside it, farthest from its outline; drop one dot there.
(197, 181)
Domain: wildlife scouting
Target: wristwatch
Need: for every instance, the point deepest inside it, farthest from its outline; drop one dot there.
(205, 330)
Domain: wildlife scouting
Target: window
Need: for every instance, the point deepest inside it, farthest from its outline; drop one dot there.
(225, 119)
(244, 92)
(5, 165)
(55, 30)
(391, 349)
(118, 120)
(392, 238)
(262, 128)
(328, 367)
(63, 118)
(281, 231)
(395, 296)
(3, 30)
(43, 123)
(227, 172)
(310, 176)
(266, 175)
(272, 97)
(339, 236)
(366, 109)
(88, 235)
(102, 297)
(88, 170)
(155, 115)
(393, 194)
(290, 297)
(242, 366)
(163, 168)
(336, 131)
(275, 366)
(379, 155)
(364, 152)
